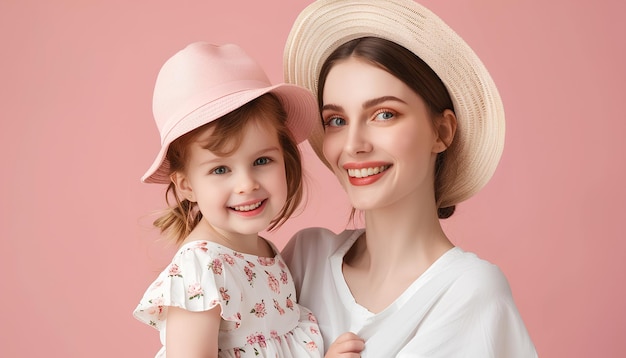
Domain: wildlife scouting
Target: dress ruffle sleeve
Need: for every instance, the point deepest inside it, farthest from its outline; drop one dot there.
(193, 281)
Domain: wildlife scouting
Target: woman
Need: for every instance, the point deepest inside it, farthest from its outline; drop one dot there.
(412, 124)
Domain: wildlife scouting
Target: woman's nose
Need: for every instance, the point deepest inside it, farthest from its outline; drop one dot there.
(357, 140)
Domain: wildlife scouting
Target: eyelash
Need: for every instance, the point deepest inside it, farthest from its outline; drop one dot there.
(267, 160)
(381, 111)
(328, 122)
(214, 171)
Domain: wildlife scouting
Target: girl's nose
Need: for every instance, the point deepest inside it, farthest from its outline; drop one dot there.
(246, 182)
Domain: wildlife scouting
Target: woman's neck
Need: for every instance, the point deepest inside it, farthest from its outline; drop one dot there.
(402, 234)
(394, 251)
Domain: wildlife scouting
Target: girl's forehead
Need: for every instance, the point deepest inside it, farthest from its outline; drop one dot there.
(257, 126)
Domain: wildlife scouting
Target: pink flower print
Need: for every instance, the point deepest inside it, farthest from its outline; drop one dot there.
(195, 291)
(272, 282)
(289, 302)
(284, 278)
(259, 309)
(251, 264)
(251, 275)
(228, 259)
(225, 295)
(251, 339)
(312, 318)
(201, 245)
(266, 261)
(280, 310)
(156, 308)
(238, 322)
(311, 346)
(216, 266)
(314, 330)
(281, 264)
(238, 351)
(173, 271)
(275, 336)
(235, 318)
(157, 284)
(260, 339)
(237, 254)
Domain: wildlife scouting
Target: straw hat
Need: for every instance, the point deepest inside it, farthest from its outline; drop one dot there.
(326, 24)
(203, 82)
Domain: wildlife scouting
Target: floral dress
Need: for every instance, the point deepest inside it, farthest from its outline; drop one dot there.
(256, 295)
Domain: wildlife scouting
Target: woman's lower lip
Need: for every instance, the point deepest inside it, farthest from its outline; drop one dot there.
(365, 181)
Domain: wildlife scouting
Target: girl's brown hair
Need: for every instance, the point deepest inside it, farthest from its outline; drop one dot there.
(415, 73)
(183, 215)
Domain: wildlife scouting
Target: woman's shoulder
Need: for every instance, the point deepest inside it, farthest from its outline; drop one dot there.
(322, 238)
(315, 244)
(480, 278)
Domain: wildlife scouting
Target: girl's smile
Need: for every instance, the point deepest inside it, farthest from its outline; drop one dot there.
(249, 209)
(241, 192)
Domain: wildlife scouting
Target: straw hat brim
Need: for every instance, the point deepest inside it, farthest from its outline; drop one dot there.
(325, 25)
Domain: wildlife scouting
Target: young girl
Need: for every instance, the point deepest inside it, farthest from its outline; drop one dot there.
(230, 159)
(412, 124)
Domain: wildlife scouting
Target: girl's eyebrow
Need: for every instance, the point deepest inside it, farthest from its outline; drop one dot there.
(367, 104)
(268, 150)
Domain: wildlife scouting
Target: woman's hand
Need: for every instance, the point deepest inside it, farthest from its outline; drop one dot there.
(347, 345)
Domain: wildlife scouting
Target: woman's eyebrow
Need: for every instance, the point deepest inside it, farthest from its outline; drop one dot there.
(375, 101)
(332, 107)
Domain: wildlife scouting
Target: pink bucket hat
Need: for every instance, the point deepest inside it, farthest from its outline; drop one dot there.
(203, 82)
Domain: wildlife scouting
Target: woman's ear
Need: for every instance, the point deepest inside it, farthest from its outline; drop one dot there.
(445, 128)
(183, 187)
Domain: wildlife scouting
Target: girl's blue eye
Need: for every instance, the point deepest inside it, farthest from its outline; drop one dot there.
(220, 170)
(262, 161)
(385, 115)
(335, 122)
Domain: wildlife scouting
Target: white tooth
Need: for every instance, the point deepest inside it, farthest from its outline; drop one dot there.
(247, 207)
(365, 172)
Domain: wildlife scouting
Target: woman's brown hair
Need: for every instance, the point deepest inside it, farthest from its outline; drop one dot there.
(183, 215)
(415, 73)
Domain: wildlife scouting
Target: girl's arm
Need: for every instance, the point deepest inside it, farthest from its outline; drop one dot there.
(347, 345)
(192, 334)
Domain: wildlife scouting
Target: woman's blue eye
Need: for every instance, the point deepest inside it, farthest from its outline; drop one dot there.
(385, 115)
(335, 122)
(220, 170)
(262, 161)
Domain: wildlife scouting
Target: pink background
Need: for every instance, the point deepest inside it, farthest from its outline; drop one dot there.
(77, 250)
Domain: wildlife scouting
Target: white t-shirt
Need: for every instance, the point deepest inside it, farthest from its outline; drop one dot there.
(460, 307)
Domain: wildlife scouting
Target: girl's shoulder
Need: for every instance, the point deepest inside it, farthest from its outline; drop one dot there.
(194, 280)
